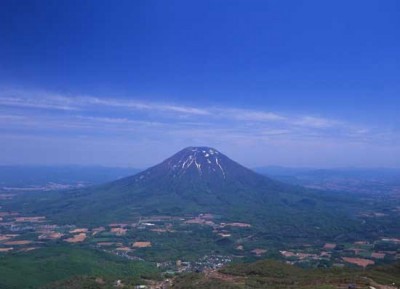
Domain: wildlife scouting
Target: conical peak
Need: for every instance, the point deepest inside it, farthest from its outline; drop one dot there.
(202, 160)
(198, 164)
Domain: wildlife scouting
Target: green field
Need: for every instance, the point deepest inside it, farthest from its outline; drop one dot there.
(38, 268)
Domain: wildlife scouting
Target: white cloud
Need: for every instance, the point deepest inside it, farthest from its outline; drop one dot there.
(249, 115)
(316, 122)
(90, 115)
(57, 104)
(44, 100)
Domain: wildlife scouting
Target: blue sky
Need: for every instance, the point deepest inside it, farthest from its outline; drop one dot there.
(127, 83)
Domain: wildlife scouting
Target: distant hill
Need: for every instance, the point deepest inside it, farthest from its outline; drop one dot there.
(277, 275)
(354, 180)
(201, 180)
(24, 176)
(367, 174)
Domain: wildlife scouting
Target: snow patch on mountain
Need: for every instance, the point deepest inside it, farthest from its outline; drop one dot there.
(202, 159)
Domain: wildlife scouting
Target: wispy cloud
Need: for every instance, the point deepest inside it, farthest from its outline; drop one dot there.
(139, 105)
(102, 120)
(316, 122)
(249, 115)
(41, 100)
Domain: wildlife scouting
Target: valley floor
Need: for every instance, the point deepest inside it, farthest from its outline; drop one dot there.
(192, 243)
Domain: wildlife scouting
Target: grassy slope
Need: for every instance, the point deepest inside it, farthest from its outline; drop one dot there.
(37, 268)
(276, 275)
(284, 210)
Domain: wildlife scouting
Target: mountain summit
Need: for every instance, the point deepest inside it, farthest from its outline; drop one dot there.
(204, 161)
(198, 164)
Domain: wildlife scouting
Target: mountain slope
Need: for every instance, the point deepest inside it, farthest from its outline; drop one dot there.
(199, 180)
(276, 275)
(198, 176)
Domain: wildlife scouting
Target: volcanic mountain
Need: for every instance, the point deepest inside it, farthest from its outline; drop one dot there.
(194, 180)
(203, 170)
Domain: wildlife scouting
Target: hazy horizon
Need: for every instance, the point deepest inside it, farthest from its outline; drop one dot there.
(76, 165)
